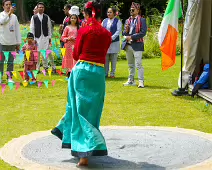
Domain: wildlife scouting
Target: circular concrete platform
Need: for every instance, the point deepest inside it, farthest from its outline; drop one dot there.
(146, 148)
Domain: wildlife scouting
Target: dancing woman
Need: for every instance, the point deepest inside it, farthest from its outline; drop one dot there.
(79, 128)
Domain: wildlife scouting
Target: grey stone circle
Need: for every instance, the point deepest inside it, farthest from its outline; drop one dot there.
(128, 149)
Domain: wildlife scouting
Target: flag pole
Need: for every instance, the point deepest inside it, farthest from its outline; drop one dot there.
(181, 91)
(182, 48)
(210, 56)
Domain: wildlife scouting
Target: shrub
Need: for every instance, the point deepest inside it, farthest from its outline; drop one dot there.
(122, 55)
(151, 44)
(155, 18)
(57, 60)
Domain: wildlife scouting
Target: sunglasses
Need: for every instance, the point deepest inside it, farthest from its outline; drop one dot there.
(132, 10)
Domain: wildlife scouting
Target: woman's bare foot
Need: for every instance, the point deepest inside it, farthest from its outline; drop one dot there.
(83, 162)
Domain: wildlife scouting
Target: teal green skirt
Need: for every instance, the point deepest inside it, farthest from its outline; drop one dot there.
(79, 127)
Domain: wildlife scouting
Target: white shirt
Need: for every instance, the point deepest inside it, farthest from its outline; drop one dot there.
(133, 24)
(109, 23)
(114, 46)
(10, 33)
(40, 16)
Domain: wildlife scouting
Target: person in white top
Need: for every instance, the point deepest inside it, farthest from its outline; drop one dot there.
(40, 26)
(10, 36)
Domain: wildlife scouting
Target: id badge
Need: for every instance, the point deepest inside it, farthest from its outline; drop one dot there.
(11, 28)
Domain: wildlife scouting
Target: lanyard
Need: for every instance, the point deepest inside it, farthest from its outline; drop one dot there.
(132, 25)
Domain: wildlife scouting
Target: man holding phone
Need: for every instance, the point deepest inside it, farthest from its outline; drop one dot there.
(10, 36)
(14, 6)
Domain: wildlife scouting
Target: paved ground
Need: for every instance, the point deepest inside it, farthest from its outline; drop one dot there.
(147, 148)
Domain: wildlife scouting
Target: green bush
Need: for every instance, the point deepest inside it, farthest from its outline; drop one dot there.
(154, 18)
(179, 39)
(151, 44)
(122, 55)
(79, 3)
(57, 60)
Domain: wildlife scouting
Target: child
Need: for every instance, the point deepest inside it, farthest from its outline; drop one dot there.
(69, 38)
(30, 64)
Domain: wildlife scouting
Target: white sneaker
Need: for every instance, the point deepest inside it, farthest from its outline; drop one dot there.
(141, 84)
(130, 83)
(10, 81)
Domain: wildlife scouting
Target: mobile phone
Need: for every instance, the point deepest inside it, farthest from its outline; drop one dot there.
(13, 5)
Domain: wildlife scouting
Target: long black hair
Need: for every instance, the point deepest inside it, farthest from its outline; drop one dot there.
(77, 22)
(97, 5)
(114, 10)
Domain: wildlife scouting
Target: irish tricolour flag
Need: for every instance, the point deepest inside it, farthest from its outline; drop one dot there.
(169, 32)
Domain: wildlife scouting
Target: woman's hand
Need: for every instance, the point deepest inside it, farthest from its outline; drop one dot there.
(71, 38)
(11, 11)
(128, 38)
(127, 28)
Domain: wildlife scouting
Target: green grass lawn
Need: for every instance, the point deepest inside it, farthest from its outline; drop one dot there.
(35, 109)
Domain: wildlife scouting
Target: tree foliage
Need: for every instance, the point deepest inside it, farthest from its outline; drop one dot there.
(79, 3)
(54, 7)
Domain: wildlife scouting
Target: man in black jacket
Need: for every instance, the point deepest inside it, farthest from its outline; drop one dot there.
(134, 30)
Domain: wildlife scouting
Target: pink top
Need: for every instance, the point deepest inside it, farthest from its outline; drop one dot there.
(69, 35)
(31, 47)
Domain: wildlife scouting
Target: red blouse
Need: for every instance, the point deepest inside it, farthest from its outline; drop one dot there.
(31, 47)
(92, 42)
